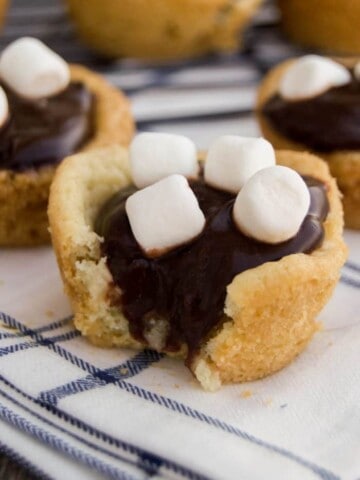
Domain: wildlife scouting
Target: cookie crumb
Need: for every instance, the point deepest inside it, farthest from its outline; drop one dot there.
(8, 327)
(124, 371)
(49, 313)
(246, 394)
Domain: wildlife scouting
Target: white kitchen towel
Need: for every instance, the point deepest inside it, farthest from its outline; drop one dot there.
(69, 410)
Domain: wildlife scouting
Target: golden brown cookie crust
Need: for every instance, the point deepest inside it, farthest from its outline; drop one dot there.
(3, 10)
(161, 29)
(344, 165)
(325, 24)
(269, 311)
(24, 195)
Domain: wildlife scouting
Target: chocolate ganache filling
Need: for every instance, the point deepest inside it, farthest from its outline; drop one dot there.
(40, 132)
(325, 123)
(187, 286)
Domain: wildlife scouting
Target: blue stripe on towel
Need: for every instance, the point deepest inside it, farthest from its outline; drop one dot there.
(145, 460)
(46, 328)
(11, 322)
(56, 442)
(351, 274)
(98, 378)
(353, 266)
(351, 282)
(176, 406)
(42, 342)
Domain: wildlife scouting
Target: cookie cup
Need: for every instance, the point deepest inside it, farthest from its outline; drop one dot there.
(344, 164)
(326, 24)
(269, 312)
(24, 195)
(161, 29)
(4, 4)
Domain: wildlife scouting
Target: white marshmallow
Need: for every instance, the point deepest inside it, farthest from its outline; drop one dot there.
(272, 205)
(232, 160)
(164, 215)
(32, 70)
(4, 107)
(154, 156)
(312, 75)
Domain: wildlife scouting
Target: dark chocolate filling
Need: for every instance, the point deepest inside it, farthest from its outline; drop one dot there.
(187, 286)
(45, 131)
(324, 123)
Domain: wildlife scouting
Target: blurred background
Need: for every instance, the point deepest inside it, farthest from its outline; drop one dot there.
(201, 98)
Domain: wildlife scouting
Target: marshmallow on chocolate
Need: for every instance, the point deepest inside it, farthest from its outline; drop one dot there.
(154, 156)
(312, 75)
(32, 70)
(272, 205)
(164, 215)
(232, 160)
(4, 107)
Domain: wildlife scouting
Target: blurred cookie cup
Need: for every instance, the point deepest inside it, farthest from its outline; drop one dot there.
(161, 29)
(329, 25)
(4, 4)
(83, 113)
(326, 124)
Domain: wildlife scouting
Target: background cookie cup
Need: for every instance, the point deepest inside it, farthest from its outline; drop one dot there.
(3, 9)
(161, 29)
(326, 24)
(24, 195)
(269, 311)
(344, 165)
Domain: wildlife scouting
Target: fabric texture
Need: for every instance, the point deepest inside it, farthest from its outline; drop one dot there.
(71, 410)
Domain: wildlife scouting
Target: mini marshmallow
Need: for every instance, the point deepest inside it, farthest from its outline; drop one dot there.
(32, 70)
(272, 205)
(4, 107)
(312, 75)
(232, 160)
(154, 156)
(164, 215)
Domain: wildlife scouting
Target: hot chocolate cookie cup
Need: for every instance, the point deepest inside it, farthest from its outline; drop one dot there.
(3, 10)
(24, 194)
(324, 24)
(344, 164)
(161, 29)
(269, 312)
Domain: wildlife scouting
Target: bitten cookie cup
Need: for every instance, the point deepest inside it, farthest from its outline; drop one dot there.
(344, 164)
(24, 194)
(161, 29)
(269, 311)
(325, 24)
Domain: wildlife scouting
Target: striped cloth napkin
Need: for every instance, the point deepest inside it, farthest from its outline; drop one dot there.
(69, 410)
